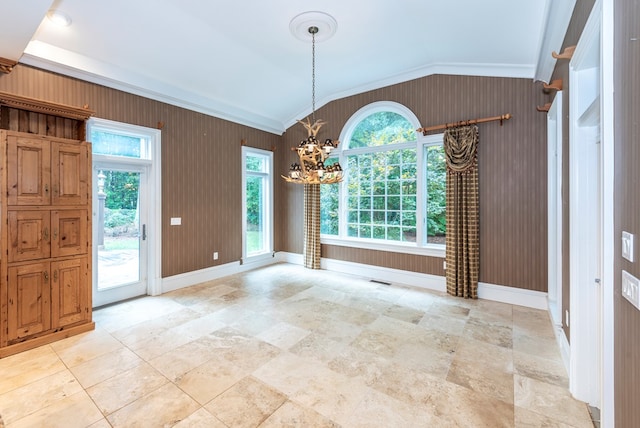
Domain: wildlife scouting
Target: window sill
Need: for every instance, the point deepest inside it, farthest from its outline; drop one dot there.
(430, 250)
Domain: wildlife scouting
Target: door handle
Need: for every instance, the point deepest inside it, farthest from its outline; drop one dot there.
(144, 232)
(45, 234)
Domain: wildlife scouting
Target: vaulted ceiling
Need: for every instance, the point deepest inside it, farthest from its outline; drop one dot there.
(238, 60)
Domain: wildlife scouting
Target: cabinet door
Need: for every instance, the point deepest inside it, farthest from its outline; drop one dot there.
(69, 173)
(68, 233)
(28, 171)
(29, 309)
(69, 292)
(29, 235)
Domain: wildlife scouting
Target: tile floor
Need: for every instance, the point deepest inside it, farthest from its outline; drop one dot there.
(286, 346)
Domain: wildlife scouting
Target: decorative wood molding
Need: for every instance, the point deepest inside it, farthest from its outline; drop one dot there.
(555, 85)
(545, 108)
(6, 65)
(46, 107)
(567, 53)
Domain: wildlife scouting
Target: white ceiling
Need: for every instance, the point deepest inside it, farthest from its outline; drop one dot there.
(239, 61)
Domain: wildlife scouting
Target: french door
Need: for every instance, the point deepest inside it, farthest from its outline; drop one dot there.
(120, 201)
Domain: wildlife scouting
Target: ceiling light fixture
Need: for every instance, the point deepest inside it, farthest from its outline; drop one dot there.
(312, 152)
(58, 17)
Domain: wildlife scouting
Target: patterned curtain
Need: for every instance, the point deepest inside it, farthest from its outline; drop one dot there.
(462, 254)
(312, 226)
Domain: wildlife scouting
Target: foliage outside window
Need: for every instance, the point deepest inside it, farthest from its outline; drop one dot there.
(387, 168)
(257, 202)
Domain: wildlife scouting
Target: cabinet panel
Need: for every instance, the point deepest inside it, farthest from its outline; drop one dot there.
(69, 174)
(68, 232)
(29, 235)
(69, 293)
(29, 309)
(28, 171)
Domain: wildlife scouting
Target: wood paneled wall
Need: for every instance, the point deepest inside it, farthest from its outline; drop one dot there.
(627, 205)
(201, 177)
(513, 204)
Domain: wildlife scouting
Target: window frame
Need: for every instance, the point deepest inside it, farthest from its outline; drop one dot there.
(420, 247)
(267, 176)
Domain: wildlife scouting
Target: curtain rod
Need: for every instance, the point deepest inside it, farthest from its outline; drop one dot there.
(464, 122)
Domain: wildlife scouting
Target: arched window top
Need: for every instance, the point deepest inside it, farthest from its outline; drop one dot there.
(380, 124)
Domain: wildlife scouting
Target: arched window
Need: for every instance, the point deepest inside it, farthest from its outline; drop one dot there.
(394, 187)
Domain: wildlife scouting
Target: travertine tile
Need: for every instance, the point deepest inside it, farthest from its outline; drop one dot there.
(74, 410)
(246, 404)
(289, 346)
(200, 419)
(543, 369)
(550, 400)
(527, 419)
(165, 406)
(176, 362)
(544, 347)
(105, 366)
(85, 347)
(22, 369)
(209, 380)
(120, 390)
(33, 397)
(495, 332)
(287, 372)
(331, 394)
(283, 335)
(404, 313)
(380, 410)
(466, 408)
(483, 379)
(293, 415)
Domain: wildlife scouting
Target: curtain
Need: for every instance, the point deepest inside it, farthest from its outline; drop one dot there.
(462, 251)
(312, 226)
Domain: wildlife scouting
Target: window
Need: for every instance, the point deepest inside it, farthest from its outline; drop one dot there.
(394, 188)
(257, 202)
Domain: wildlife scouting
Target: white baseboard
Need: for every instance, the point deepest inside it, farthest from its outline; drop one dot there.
(563, 345)
(513, 296)
(188, 279)
(497, 293)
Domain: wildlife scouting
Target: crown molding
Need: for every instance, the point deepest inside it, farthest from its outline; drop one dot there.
(555, 25)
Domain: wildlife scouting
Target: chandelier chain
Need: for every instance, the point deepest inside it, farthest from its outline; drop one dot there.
(313, 74)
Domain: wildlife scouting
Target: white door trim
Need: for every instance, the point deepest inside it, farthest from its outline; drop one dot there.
(154, 181)
(554, 193)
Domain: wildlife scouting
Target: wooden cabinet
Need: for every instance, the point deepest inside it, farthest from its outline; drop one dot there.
(46, 240)
(45, 172)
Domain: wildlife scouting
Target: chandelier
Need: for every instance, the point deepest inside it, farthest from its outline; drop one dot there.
(312, 152)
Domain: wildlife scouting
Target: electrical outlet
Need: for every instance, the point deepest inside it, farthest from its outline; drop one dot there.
(444, 265)
(566, 318)
(631, 288)
(215, 255)
(176, 221)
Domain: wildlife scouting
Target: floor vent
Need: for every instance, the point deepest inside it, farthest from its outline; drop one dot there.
(379, 282)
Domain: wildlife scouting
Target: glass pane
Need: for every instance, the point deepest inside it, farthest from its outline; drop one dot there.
(106, 143)
(436, 195)
(384, 127)
(118, 228)
(255, 215)
(256, 163)
(329, 216)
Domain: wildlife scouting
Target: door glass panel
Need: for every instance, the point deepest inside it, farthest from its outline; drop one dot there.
(255, 214)
(118, 228)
